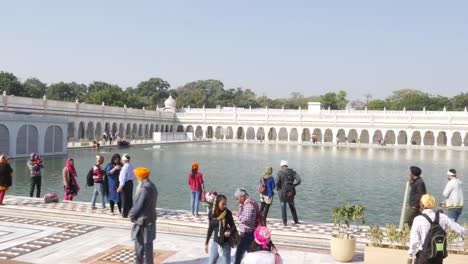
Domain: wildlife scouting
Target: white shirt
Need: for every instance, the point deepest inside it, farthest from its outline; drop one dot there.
(126, 174)
(421, 226)
(260, 257)
(454, 193)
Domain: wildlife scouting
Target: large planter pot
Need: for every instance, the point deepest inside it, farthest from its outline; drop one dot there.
(390, 256)
(342, 249)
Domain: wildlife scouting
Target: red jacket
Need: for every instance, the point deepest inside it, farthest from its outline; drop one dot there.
(195, 182)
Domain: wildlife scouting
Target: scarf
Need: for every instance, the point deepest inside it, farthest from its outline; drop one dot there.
(267, 173)
(71, 168)
(222, 224)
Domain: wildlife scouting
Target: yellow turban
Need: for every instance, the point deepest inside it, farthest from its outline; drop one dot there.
(428, 201)
(141, 173)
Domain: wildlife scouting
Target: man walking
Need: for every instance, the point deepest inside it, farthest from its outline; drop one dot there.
(286, 182)
(143, 216)
(247, 215)
(418, 189)
(125, 189)
(454, 193)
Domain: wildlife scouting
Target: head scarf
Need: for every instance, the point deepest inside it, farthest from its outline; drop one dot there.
(195, 166)
(262, 236)
(3, 159)
(428, 201)
(416, 171)
(141, 173)
(32, 155)
(452, 172)
(240, 192)
(268, 172)
(71, 168)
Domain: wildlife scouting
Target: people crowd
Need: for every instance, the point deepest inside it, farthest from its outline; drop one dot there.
(251, 236)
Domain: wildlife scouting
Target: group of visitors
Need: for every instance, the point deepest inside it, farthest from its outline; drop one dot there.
(428, 226)
(108, 136)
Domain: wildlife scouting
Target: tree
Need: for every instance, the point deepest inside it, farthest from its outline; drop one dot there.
(10, 84)
(409, 99)
(329, 100)
(368, 96)
(459, 102)
(110, 95)
(376, 105)
(66, 91)
(155, 91)
(34, 88)
(341, 99)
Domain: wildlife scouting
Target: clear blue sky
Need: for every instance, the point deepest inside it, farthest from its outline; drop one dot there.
(271, 47)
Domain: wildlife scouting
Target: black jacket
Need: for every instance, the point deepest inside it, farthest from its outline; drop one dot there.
(418, 189)
(286, 181)
(5, 174)
(213, 226)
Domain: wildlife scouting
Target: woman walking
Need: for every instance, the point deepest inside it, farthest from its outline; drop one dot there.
(266, 196)
(70, 185)
(6, 175)
(195, 180)
(111, 181)
(221, 223)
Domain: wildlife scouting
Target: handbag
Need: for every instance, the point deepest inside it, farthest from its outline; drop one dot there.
(277, 258)
(234, 239)
(203, 196)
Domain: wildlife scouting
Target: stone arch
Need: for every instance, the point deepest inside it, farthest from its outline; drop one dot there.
(135, 131)
(465, 141)
(441, 138)
(128, 131)
(209, 132)
(90, 131)
(189, 129)
(328, 135)
(429, 138)
(120, 132)
(272, 134)
(416, 138)
(107, 127)
(156, 128)
(27, 140)
(140, 131)
(456, 139)
(53, 141)
(283, 134)
(171, 128)
(219, 132)
(114, 127)
(5, 139)
(81, 130)
(229, 133)
(293, 135)
(151, 130)
(318, 134)
(199, 132)
(305, 136)
(240, 133)
(98, 130)
(250, 134)
(180, 129)
(364, 137)
(71, 131)
(146, 131)
(377, 136)
(166, 128)
(402, 138)
(352, 136)
(260, 134)
(390, 137)
(341, 135)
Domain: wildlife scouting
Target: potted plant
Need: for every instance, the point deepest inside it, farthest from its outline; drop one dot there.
(343, 244)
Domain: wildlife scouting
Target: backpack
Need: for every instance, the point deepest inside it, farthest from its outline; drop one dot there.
(261, 187)
(289, 188)
(435, 244)
(89, 178)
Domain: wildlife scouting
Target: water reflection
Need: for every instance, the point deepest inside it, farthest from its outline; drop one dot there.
(373, 176)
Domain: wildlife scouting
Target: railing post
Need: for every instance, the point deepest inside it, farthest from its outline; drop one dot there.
(103, 106)
(5, 101)
(44, 102)
(77, 106)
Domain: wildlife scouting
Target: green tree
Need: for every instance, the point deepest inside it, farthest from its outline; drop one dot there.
(208, 93)
(409, 99)
(459, 102)
(376, 105)
(329, 100)
(110, 95)
(35, 88)
(10, 84)
(341, 99)
(66, 91)
(154, 91)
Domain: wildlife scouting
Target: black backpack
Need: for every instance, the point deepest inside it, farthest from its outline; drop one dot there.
(89, 178)
(435, 244)
(289, 187)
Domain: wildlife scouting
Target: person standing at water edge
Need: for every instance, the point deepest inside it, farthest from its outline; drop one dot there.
(221, 223)
(247, 216)
(143, 216)
(70, 185)
(125, 189)
(266, 197)
(418, 189)
(454, 193)
(195, 180)
(112, 182)
(98, 178)
(35, 165)
(286, 182)
(6, 176)
(421, 226)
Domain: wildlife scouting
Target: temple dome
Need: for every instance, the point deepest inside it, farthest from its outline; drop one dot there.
(170, 102)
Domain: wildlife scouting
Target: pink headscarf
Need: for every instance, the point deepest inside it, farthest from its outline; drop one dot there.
(71, 168)
(262, 236)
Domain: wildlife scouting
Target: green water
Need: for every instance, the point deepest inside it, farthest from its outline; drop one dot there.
(372, 176)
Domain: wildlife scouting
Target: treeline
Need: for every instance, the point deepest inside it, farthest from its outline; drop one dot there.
(212, 93)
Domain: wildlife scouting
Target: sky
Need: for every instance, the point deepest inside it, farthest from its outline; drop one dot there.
(271, 47)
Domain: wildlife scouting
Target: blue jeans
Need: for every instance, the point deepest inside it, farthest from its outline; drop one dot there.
(98, 189)
(245, 242)
(195, 201)
(214, 254)
(454, 213)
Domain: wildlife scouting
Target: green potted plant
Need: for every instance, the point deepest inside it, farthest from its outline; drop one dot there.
(343, 244)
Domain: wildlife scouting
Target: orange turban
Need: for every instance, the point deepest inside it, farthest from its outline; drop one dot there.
(194, 166)
(141, 173)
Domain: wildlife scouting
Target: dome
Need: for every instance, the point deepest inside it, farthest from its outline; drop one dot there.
(170, 102)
